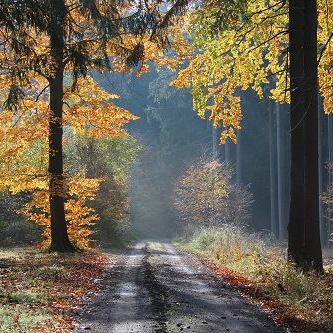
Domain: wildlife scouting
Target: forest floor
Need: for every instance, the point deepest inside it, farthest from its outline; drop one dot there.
(155, 288)
(40, 292)
(149, 287)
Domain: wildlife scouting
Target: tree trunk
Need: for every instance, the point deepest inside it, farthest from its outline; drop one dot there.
(330, 178)
(297, 107)
(313, 252)
(303, 230)
(239, 165)
(321, 169)
(280, 172)
(59, 237)
(239, 158)
(214, 142)
(227, 147)
(273, 172)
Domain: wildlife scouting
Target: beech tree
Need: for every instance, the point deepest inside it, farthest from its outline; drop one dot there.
(57, 40)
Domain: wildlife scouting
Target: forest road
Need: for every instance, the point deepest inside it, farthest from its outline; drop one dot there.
(155, 288)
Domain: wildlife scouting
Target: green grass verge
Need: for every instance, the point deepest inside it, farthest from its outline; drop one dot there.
(264, 263)
(37, 290)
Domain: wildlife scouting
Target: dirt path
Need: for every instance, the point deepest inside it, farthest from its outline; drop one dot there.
(154, 288)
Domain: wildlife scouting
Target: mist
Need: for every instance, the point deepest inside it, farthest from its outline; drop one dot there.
(172, 137)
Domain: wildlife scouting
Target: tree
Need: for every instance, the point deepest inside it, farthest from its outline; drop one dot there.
(327, 199)
(273, 172)
(24, 139)
(249, 50)
(108, 160)
(172, 136)
(56, 34)
(52, 40)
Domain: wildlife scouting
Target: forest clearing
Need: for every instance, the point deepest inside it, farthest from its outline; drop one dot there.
(166, 166)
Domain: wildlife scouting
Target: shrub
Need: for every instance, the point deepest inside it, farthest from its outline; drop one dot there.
(206, 195)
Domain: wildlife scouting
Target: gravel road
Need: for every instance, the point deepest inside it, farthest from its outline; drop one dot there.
(155, 288)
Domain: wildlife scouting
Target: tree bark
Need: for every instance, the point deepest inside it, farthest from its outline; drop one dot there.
(239, 158)
(304, 246)
(227, 147)
(59, 237)
(215, 142)
(330, 178)
(239, 161)
(313, 252)
(297, 107)
(321, 169)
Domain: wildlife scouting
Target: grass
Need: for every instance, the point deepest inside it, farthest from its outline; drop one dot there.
(27, 297)
(155, 246)
(23, 319)
(258, 267)
(38, 290)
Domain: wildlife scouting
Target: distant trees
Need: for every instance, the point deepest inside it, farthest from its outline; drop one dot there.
(172, 136)
(279, 152)
(273, 175)
(109, 161)
(205, 195)
(327, 199)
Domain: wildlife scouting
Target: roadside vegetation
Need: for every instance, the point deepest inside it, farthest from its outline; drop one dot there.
(41, 292)
(206, 195)
(215, 214)
(256, 265)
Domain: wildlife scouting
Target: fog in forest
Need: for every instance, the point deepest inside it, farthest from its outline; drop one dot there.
(166, 166)
(172, 137)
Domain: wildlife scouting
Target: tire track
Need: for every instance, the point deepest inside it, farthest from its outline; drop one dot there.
(157, 289)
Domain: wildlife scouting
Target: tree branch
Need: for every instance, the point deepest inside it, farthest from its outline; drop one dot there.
(41, 92)
(324, 48)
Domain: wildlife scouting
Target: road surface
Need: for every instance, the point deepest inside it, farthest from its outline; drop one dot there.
(155, 288)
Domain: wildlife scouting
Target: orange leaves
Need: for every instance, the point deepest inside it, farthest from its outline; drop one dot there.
(285, 314)
(204, 194)
(192, 196)
(90, 111)
(48, 288)
(80, 217)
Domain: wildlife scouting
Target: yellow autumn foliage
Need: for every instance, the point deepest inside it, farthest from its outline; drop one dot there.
(249, 52)
(88, 109)
(79, 216)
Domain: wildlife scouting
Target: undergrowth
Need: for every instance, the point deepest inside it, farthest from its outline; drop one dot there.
(309, 297)
(39, 290)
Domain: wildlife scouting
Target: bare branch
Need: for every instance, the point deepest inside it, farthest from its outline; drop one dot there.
(324, 48)
(41, 92)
